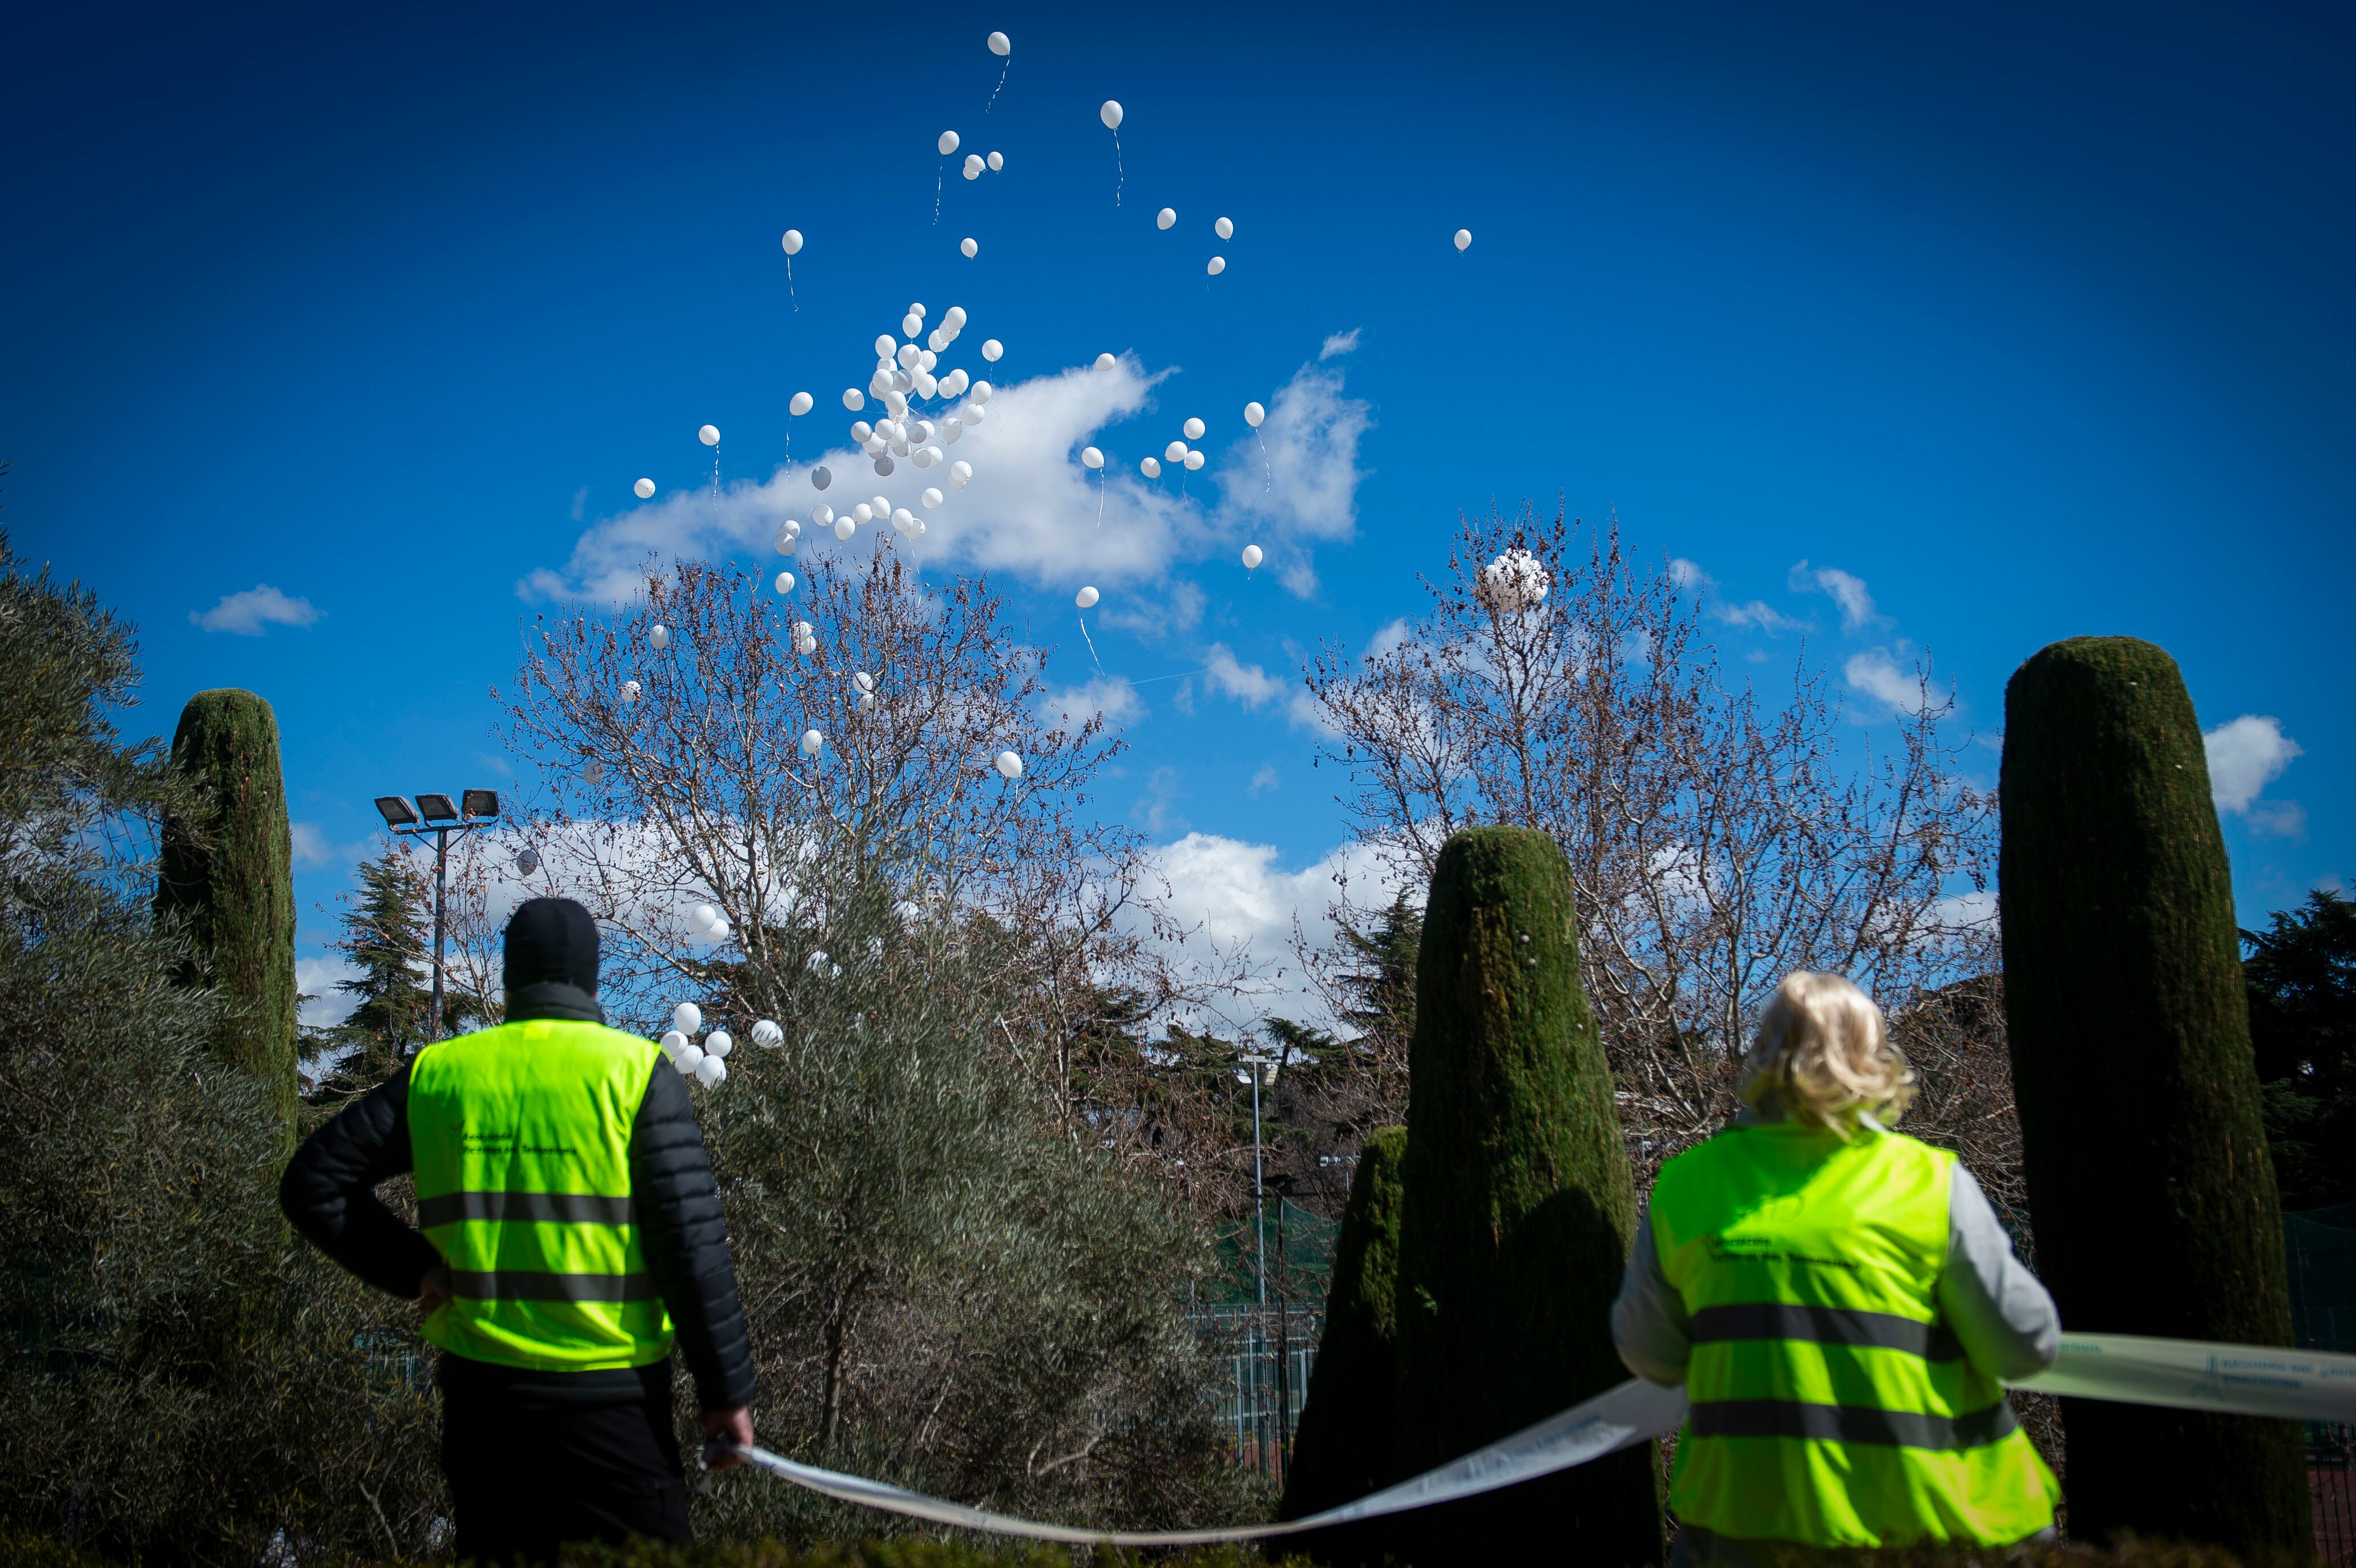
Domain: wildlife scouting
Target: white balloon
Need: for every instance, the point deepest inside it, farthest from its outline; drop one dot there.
(954, 385)
(1225, 229)
(718, 1043)
(1463, 239)
(1106, 361)
(711, 1072)
(1174, 453)
(982, 394)
(886, 346)
(719, 931)
(1194, 428)
(911, 325)
(1514, 581)
(629, 690)
(820, 477)
(1150, 467)
(701, 918)
(766, 1035)
(672, 1043)
(784, 582)
(937, 340)
(660, 635)
(1009, 765)
(916, 310)
(1085, 598)
(812, 743)
(1217, 265)
(802, 405)
(792, 529)
(1253, 414)
(926, 359)
(968, 249)
(954, 318)
(1194, 461)
(884, 466)
(862, 512)
(931, 497)
(686, 1017)
(709, 435)
(821, 514)
(908, 354)
(689, 1057)
(880, 507)
(862, 679)
(1091, 458)
(938, 455)
(1165, 217)
(972, 412)
(1252, 557)
(960, 471)
(948, 142)
(903, 519)
(853, 399)
(860, 430)
(643, 488)
(998, 44)
(990, 349)
(923, 456)
(997, 161)
(793, 242)
(1110, 115)
(974, 165)
(846, 528)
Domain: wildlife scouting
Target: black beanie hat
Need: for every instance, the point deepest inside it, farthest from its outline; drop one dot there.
(552, 940)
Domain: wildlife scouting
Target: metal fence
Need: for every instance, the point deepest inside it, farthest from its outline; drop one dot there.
(2331, 1483)
(1268, 1351)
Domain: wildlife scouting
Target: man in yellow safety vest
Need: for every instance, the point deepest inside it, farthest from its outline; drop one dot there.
(1839, 1301)
(568, 1231)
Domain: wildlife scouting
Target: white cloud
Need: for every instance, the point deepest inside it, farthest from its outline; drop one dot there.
(1110, 696)
(1155, 811)
(2246, 754)
(1157, 614)
(254, 611)
(1266, 779)
(1879, 676)
(1757, 613)
(1246, 683)
(1241, 898)
(312, 848)
(1845, 590)
(1340, 343)
(1391, 638)
(1688, 576)
(1030, 508)
(317, 978)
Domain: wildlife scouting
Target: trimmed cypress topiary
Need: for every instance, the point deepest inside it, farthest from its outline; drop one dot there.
(1341, 1450)
(229, 877)
(2149, 1187)
(1515, 1215)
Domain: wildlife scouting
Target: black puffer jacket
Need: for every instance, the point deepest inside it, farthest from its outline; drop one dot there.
(329, 1193)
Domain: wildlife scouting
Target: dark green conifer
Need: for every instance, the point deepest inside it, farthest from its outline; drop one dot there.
(2149, 1187)
(229, 875)
(386, 923)
(1341, 1450)
(1515, 1214)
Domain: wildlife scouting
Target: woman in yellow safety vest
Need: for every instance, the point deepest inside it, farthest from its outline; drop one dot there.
(1840, 1303)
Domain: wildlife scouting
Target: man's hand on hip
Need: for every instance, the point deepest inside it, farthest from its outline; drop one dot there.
(731, 1426)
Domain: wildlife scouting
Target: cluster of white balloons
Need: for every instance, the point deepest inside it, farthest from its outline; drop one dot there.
(707, 1063)
(708, 922)
(1515, 581)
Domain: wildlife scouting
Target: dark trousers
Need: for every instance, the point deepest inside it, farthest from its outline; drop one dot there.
(533, 1466)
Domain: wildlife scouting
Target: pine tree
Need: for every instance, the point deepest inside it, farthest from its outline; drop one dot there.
(2301, 976)
(2149, 1181)
(1516, 1213)
(1381, 987)
(1343, 1450)
(227, 871)
(385, 932)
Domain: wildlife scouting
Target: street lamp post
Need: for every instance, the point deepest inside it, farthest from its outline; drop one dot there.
(1261, 1071)
(435, 814)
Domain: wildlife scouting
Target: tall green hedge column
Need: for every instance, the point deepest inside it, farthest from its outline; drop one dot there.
(2149, 1179)
(230, 875)
(1516, 1217)
(1342, 1449)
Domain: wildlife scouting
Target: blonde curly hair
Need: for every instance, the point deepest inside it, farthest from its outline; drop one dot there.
(1823, 1052)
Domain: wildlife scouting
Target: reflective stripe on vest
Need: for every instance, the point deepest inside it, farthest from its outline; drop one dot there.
(521, 1139)
(1829, 1405)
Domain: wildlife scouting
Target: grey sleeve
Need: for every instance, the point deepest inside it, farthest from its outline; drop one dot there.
(1649, 1325)
(2001, 1314)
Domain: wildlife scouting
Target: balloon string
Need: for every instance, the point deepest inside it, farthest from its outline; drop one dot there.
(1267, 474)
(1120, 174)
(1099, 498)
(715, 470)
(1092, 645)
(936, 191)
(1002, 83)
(789, 286)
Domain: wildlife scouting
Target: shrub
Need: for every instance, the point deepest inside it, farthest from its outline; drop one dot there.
(2147, 1174)
(1516, 1211)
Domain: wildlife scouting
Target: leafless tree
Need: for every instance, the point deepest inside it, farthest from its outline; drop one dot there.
(1719, 836)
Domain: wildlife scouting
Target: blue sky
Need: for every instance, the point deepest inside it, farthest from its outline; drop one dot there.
(2032, 321)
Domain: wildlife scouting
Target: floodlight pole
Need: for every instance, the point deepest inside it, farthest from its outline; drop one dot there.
(441, 831)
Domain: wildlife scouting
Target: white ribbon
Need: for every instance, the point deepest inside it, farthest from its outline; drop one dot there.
(2183, 1374)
